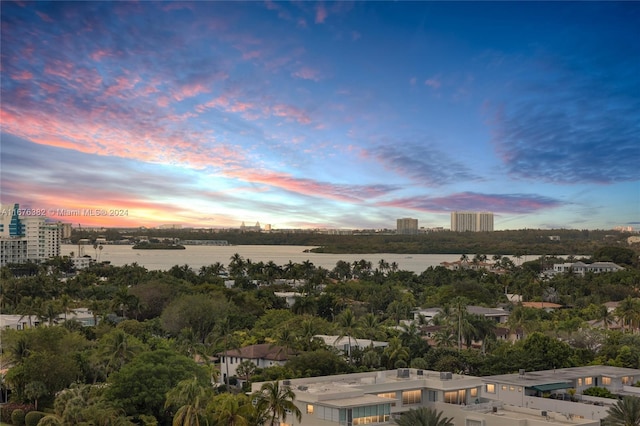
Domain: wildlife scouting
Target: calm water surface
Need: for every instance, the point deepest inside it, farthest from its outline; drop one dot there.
(198, 256)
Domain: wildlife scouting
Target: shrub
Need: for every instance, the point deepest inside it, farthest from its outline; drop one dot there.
(599, 392)
(17, 417)
(33, 417)
(7, 409)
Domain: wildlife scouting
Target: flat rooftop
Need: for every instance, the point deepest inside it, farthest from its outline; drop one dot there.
(560, 375)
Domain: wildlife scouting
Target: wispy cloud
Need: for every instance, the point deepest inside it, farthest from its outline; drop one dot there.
(575, 126)
(503, 203)
(424, 163)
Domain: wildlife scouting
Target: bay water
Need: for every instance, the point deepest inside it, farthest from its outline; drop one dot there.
(198, 256)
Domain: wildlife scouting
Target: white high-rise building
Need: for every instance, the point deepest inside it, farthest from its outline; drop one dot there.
(26, 238)
(472, 221)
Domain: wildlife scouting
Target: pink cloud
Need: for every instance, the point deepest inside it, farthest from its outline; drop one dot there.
(22, 75)
(307, 73)
(433, 82)
(348, 193)
(44, 16)
(290, 112)
(321, 13)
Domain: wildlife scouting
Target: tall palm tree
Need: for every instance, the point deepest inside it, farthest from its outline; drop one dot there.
(191, 398)
(424, 417)
(277, 401)
(459, 305)
(625, 412)
(348, 325)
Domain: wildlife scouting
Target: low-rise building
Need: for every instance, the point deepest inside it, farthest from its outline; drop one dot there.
(379, 397)
(261, 355)
(582, 268)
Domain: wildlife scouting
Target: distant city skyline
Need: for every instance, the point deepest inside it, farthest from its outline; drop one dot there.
(329, 115)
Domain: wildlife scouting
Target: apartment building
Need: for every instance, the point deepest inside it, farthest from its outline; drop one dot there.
(27, 238)
(376, 398)
(407, 226)
(471, 221)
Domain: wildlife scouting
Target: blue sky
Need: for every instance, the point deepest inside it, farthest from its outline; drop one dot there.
(324, 115)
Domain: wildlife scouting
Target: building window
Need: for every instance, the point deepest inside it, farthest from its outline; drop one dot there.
(512, 388)
(411, 397)
(519, 389)
(627, 380)
(370, 414)
(580, 382)
(588, 381)
(389, 395)
(491, 388)
(504, 387)
(456, 397)
(473, 392)
(432, 396)
(309, 409)
(606, 380)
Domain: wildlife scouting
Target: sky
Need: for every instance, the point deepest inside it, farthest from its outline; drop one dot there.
(322, 114)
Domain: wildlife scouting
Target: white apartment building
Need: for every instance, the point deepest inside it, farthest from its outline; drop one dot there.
(471, 221)
(26, 238)
(376, 398)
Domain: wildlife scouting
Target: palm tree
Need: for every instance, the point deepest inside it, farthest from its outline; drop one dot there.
(191, 397)
(395, 352)
(444, 338)
(119, 348)
(277, 401)
(459, 305)
(424, 417)
(606, 316)
(371, 327)
(625, 412)
(348, 325)
(629, 313)
(232, 410)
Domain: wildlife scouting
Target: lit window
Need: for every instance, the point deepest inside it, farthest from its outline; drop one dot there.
(512, 388)
(491, 388)
(473, 392)
(411, 397)
(579, 382)
(627, 380)
(390, 395)
(606, 380)
(456, 397)
(519, 389)
(309, 409)
(588, 381)
(504, 387)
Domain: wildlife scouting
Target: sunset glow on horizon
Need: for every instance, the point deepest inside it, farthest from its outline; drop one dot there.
(322, 114)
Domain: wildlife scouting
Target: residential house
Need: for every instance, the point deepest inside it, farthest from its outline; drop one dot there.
(261, 355)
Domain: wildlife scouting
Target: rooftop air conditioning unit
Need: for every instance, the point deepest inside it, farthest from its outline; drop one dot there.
(286, 382)
(403, 373)
(494, 409)
(543, 413)
(420, 373)
(446, 375)
(521, 372)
